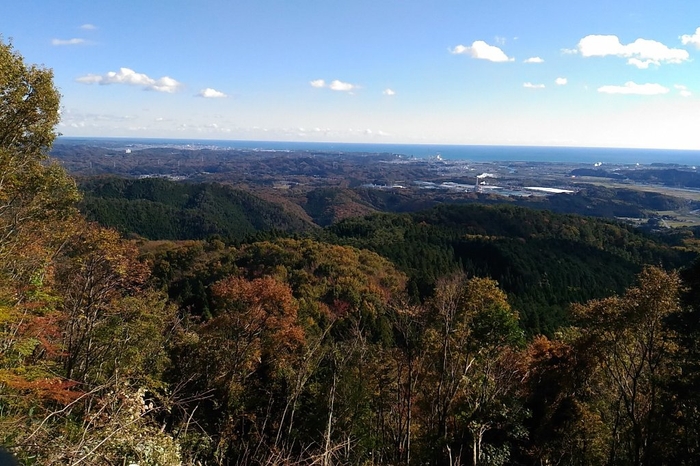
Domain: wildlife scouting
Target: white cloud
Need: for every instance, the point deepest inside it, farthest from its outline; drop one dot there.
(131, 77)
(533, 86)
(74, 41)
(481, 50)
(88, 27)
(640, 53)
(569, 51)
(318, 83)
(341, 86)
(334, 85)
(534, 60)
(210, 93)
(388, 92)
(561, 81)
(683, 90)
(165, 84)
(90, 79)
(693, 39)
(634, 88)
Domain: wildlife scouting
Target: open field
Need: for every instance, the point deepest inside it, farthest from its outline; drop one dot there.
(683, 193)
(669, 218)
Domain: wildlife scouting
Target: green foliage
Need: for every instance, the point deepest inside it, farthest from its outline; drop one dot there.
(609, 406)
(328, 205)
(300, 351)
(28, 104)
(684, 406)
(81, 342)
(543, 260)
(156, 208)
(33, 192)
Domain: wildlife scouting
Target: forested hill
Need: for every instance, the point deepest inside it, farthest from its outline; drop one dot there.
(302, 351)
(156, 208)
(543, 260)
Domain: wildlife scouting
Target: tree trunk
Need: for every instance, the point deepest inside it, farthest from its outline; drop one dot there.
(326, 451)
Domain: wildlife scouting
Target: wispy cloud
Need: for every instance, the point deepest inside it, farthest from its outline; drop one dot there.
(71, 119)
(632, 88)
(132, 78)
(561, 81)
(534, 60)
(388, 92)
(74, 41)
(210, 93)
(334, 85)
(88, 27)
(529, 85)
(318, 83)
(640, 53)
(683, 90)
(483, 51)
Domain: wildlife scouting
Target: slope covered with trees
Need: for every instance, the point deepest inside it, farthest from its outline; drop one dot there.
(156, 208)
(544, 261)
(302, 351)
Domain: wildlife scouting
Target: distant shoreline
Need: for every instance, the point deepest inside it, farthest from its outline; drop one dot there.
(481, 153)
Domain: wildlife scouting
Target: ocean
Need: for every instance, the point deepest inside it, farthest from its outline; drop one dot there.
(474, 153)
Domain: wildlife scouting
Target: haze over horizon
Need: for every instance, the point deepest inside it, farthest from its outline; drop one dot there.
(503, 72)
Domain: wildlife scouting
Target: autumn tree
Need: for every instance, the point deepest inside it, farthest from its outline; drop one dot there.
(402, 369)
(634, 349)
(95, 270)
(564, 427)
(81, 342)
(36, 205)
(469, 388)
(248, 350)
(489, 401)
(34, 193)
(107, 358)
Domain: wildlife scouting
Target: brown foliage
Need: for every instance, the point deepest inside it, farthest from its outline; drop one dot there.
(95, 270)
(257, 322)
(46, 389)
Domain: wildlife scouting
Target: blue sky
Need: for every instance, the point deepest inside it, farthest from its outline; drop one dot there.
(593, 73)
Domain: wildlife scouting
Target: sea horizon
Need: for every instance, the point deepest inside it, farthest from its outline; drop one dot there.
(449, 152)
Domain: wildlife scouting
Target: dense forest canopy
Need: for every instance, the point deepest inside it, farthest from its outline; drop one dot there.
(228, 331)
(161, 209)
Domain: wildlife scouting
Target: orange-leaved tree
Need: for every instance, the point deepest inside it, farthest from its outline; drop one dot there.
(251, 348)
(37, 204)
(78, 337)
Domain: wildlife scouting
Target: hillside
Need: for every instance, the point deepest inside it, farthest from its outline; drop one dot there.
(398, 339)
(543, 260)
(156, 208)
